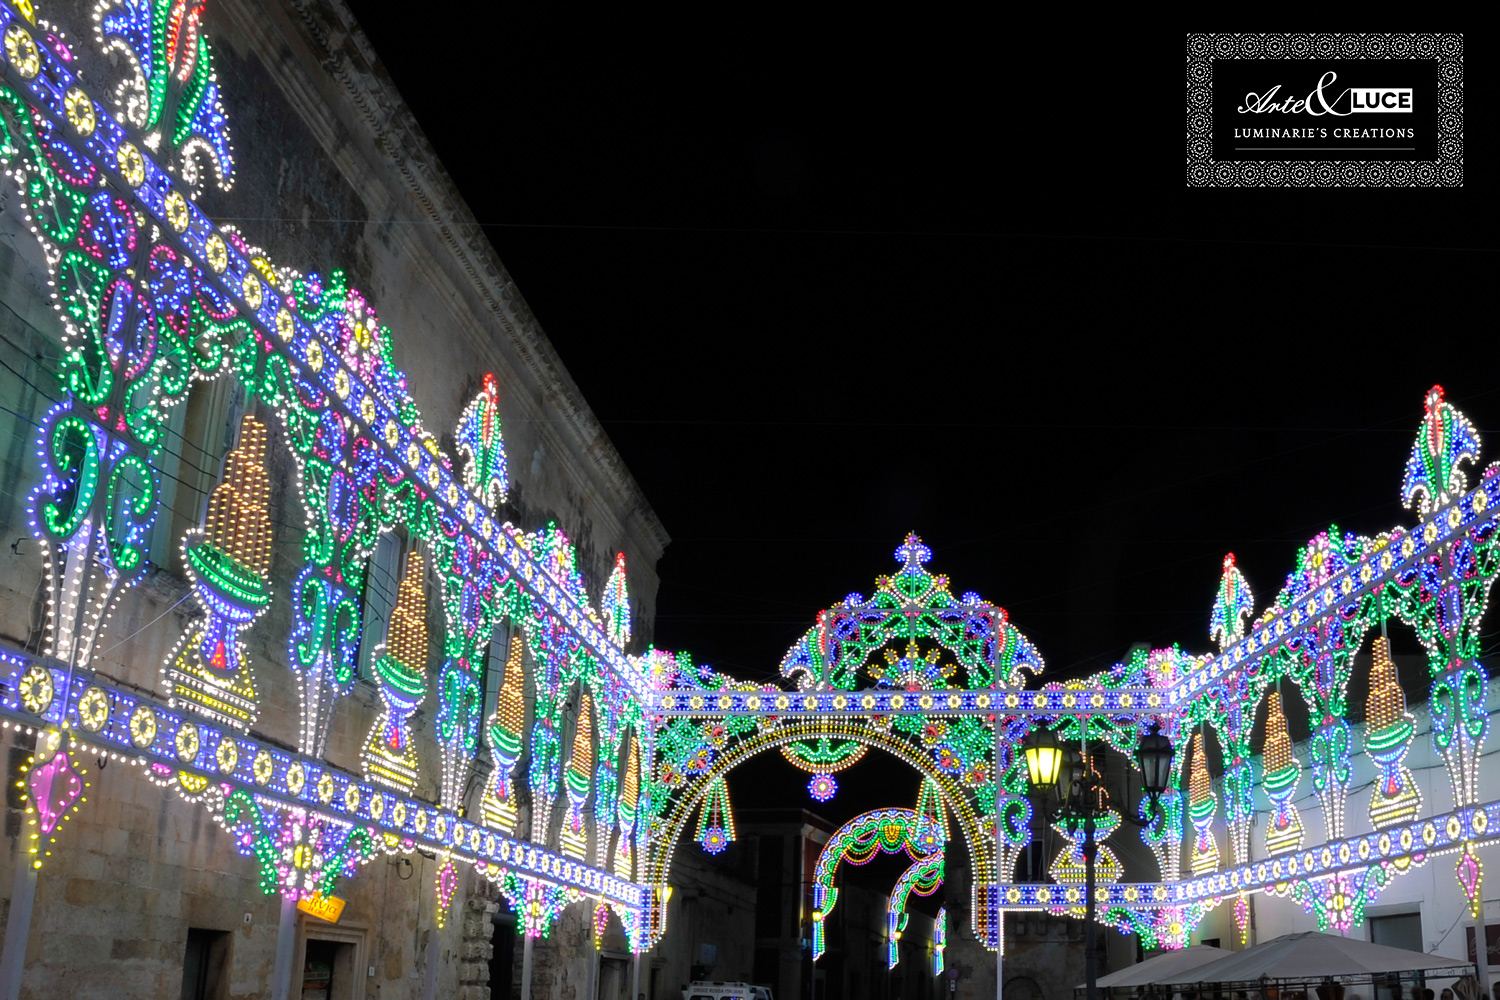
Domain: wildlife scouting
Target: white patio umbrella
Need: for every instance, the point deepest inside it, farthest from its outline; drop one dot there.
(1159, 968)
(1311, 955)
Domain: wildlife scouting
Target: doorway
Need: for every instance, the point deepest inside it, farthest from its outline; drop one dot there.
(330, 962)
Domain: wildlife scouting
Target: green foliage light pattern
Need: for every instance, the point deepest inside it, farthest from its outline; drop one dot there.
(153, 296)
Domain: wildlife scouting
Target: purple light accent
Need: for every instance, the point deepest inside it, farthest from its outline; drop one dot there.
(715, 840)
(52, 798)
(447, 882)
(822, 787)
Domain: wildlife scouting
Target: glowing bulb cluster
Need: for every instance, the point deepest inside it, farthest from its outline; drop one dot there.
(1388, 732)
(576, 778)
(400, 667)
(53, 787)
(716, 819)
(229, 562)
(1284, 831)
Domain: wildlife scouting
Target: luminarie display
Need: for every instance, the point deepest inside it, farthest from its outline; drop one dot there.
(1395, 798)
(152, 295)
(229, 564)
(1284, 829)
(400, 666)
(879, 831)
(504, 731)
(576, 777)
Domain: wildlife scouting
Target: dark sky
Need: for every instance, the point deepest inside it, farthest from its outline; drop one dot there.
(825, 284)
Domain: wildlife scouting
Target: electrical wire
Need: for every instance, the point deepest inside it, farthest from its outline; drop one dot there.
(143, 628)
(192, 517)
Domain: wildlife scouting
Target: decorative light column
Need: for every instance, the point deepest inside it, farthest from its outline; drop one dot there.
(504, 731)
(629, 792)
(1284, 830)
(1444, 598)
(400, 666)
(1234, 719)
(577, 777)
(1202, 804)
(229, 562)
(1395, 799)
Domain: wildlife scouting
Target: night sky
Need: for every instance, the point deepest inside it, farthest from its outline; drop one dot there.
(827, 284)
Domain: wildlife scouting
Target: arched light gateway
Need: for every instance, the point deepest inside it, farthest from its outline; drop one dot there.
(887, 666)
(921, 832)
(941, 680)
(622, 749)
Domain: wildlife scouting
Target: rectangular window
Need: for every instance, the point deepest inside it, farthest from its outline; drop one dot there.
(382, 577)
(330, 972)
(205, 965)
(494, 672)
(197, 435)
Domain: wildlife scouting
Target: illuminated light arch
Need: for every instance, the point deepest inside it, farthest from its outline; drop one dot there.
(923, 879)
(201, 303)
(109, 200)
(929, 638)
(978, 831)
(879, 831)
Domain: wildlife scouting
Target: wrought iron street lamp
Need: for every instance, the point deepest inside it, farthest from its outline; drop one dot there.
(1043, 759)
(1084, 797)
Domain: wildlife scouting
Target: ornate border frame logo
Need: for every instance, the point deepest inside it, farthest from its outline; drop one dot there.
(1204, 171)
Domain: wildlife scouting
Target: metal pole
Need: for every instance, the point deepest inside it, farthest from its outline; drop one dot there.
(526, 947)
(1482, 951)
(995, 895)
(286, 936)
(1089, 803)
(592, 993)
(429, 985)
(635, 978)
(18, 926)
(1090, 964)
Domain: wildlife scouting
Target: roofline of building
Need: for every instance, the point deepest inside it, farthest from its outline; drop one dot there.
(353, 64)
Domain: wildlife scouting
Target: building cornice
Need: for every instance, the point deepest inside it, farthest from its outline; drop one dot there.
(331, 38)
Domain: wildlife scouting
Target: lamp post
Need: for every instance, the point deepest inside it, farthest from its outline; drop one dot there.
(1083, 797)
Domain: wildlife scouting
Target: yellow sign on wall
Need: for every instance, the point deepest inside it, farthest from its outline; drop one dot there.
(328, 908)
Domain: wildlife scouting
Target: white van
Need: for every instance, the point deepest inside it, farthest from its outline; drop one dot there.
(725, 991)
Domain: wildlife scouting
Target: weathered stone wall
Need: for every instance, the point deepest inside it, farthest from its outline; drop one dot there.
(332, 173)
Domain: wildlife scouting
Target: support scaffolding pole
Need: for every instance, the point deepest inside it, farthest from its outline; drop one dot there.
(526, 947)
(18, 926)
(995, 893)
(286, 937)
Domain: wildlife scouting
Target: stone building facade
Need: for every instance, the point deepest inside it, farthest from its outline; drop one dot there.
(145, 890)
